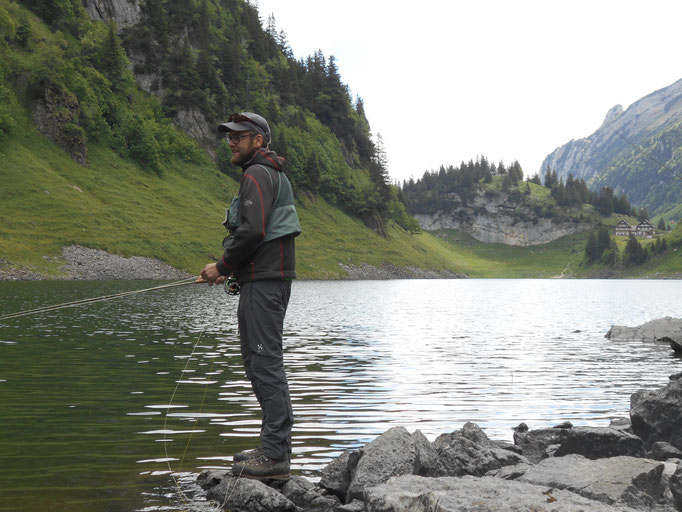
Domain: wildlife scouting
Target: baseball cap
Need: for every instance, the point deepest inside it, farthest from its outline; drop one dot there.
(247, 121)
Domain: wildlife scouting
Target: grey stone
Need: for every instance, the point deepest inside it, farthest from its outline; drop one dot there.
(485, 494)
(353, 506)
(336, 476)
(242, 494)
(675, 483)
(427, 456)
(392, 453)
(597, 443)
(630, 480)
(306, 495)
(657, 415)
(655, 330)
(470, 452)
(536, 443)
(661, 450)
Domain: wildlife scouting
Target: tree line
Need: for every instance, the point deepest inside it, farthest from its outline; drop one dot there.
(211, 57)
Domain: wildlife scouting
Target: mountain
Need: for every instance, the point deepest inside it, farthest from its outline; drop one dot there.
(636, 152)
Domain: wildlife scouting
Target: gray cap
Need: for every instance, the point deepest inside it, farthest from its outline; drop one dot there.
(247, 121)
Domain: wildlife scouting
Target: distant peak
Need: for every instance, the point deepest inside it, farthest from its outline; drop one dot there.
(612, 115)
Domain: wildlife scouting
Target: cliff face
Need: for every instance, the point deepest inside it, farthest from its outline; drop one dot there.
(501, 220)
(124, 12)
(586, 158)
(127, 13)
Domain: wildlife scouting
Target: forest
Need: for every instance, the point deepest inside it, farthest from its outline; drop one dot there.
(208, 58)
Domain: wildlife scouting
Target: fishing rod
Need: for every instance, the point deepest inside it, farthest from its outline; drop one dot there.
(231, 288)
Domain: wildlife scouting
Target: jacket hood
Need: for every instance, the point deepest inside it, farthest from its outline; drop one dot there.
(266, 157)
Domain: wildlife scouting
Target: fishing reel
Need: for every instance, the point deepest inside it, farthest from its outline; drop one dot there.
(231, 286)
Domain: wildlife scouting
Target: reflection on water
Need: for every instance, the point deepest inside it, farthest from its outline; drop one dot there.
(118, 405)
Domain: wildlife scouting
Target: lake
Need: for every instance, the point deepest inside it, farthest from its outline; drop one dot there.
(118, 405)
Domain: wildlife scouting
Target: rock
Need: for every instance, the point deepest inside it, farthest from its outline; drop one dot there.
(306, 495)
(597, 443)
(353, 506)
(486, 494)
(242, 494)
(655, 330)
(675, 483)
(584, 158)
(124, 12)
(675, 343)
(661, 450)
(56, 114)
(470, 452)
(535, 444)
(499, 219)
(657, 415)
(336, 476)
(630, 480)
(392, 453)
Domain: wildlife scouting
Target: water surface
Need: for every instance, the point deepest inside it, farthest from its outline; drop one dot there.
(118, 405)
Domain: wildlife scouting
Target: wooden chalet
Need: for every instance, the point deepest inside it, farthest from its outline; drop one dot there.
(623, 228)
(645, 228)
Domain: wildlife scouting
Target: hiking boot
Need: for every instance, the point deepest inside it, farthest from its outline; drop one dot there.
(247, 454)
(262, 468)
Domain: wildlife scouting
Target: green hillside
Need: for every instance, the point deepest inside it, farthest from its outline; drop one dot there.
(88, 158)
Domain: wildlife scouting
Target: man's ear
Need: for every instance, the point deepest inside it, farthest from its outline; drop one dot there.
(259, 140)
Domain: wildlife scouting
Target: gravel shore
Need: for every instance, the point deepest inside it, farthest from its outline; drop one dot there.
(84, 263)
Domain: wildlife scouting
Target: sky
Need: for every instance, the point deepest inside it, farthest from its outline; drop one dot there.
(445, 81)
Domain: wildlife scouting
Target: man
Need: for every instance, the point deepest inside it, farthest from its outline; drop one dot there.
(260, 253)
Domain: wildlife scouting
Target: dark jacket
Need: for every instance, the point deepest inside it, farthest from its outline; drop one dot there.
(250, 253)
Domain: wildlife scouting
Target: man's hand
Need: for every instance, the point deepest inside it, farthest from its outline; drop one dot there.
(211, 275)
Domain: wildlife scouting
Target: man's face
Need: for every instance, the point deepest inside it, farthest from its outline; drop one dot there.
(243, 146)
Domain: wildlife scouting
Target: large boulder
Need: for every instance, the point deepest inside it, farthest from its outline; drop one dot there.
(484, 494)
(539, 444)
(666, 327)
(241, 494)
(599, 443)
(657, 415)
(633, 481)
(393, 453)
(675, 483)
(470, 452)
(308, 496)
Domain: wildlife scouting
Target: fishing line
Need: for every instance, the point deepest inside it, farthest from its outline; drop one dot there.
(186, 500)
(54, 307)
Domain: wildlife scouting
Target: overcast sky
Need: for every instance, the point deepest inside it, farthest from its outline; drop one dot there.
(445, 81)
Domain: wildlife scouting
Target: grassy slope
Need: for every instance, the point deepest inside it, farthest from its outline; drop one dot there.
(48, 201)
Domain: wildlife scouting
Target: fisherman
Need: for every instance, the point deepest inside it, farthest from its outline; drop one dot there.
(260, 253)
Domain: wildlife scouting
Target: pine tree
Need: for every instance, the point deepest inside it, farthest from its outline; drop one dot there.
(112, 58)
(591, 248)
(603, 241)
(661, 224)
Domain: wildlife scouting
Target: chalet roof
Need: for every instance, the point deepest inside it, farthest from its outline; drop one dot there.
(645, 224)
(624, 223)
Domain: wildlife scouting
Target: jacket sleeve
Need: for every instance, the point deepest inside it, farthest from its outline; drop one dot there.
(256, 194)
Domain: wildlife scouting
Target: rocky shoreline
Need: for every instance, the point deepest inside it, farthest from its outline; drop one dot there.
(633, 464)
(83, 263)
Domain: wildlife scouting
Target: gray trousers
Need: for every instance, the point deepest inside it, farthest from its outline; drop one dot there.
(262, 306)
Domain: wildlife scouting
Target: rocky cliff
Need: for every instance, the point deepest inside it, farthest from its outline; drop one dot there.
(124, 12)
(501, 219)
(587, 157)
